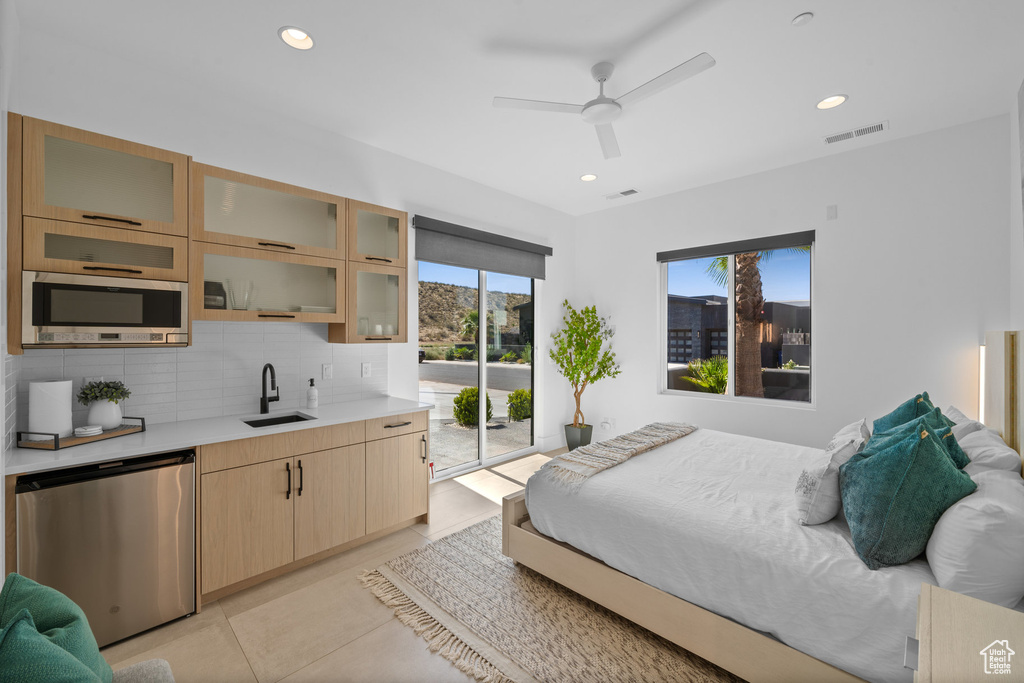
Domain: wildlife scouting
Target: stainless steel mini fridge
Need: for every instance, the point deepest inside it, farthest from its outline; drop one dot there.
(118, 538)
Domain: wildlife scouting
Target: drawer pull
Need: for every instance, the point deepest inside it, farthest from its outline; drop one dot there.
(108, 218)
(275, 315)
(300, 477)
(275, 244)
(377, 338)
(423, 440)
(377, 258)
(116, 270)
(398, 424)
(288, 469)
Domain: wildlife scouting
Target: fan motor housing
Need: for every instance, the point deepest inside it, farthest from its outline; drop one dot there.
(601, 110)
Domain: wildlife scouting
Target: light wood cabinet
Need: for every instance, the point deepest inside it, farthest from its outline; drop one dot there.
(397, 480)
(247, 522)
(59, 247)
(377, 306)
(377, 234)
(243, 210)
(257, 285)
(330, 499)
(396, 425)
(82, 177)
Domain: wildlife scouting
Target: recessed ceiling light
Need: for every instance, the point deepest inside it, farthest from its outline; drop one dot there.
(295, 37)
(831, 102)
(587, 177)
(802, 19)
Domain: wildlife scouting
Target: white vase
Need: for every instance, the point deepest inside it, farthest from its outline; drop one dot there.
(106, 414)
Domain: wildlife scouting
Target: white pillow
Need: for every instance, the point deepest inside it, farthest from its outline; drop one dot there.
(977, 547)
(955, 414)
(817, 490)
(964, 425)
(988, 451)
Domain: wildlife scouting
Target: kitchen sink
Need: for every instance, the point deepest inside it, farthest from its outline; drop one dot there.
(278, 420)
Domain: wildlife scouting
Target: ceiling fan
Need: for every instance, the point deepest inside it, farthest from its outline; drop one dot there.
(602, 111)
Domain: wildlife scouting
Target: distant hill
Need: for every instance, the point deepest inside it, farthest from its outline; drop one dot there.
(443, 306)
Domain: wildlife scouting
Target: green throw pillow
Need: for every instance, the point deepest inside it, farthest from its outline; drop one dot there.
(933, 421)
(907, 411)
(893, 498)
(58, 621)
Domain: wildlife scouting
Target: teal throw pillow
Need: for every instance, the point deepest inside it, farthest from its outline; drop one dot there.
(893, 498)
(933, 421)
(907, 411)
(57, 619)
(28, 656)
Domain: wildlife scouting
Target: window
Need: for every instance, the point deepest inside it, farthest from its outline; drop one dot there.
(738, 318)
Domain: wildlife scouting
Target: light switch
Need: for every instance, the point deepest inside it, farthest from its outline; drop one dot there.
(328, 371)
(366, 370)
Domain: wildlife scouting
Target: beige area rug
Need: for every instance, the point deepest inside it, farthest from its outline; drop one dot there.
(504, 623)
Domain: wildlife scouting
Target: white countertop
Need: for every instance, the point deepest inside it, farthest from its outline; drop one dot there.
(187, 434)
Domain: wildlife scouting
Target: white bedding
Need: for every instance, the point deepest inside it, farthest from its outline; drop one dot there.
(711, 518)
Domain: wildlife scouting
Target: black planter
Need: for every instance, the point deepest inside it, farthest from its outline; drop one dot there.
(578, 436)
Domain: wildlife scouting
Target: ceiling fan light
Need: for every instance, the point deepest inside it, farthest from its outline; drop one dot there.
(588, 177)
(601, 111)
(831, 102)
(296, 37)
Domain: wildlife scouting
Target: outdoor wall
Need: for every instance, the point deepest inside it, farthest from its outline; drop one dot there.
(905, 283)
(72, 83)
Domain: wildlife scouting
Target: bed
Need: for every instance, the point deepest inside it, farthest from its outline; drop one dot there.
(707, 526)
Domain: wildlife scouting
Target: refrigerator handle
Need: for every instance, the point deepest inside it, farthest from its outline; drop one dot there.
(288, 469)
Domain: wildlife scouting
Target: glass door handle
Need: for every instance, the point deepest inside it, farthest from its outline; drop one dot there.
(116, 270)
(275, 244)
(274, 315)
(108, 218)
(377, 258)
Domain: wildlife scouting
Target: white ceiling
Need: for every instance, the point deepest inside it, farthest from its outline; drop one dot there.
(416, 77)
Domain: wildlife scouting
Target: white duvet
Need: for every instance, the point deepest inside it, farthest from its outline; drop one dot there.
(711, 518)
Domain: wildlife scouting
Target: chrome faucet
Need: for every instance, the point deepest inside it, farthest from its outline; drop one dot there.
(265, 400)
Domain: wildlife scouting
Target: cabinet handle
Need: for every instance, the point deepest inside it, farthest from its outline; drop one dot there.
(288, 469)
(300, 477)
(108, 218)
(377, 338)
(423, 440)
(274, 315)
(377, 258)
(397, 424)
(116, 270)
(275, 244)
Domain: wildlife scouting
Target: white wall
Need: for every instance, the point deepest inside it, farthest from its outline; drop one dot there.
(119, 95)
(907, 280)
(1016, 234)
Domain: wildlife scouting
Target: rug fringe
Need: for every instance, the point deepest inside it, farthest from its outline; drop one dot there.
(439, 639)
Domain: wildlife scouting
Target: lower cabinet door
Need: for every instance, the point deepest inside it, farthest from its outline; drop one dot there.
(330, 499)
(397, 477)
(247, 521)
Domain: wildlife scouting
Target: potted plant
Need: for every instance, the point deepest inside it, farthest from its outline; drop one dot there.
(103, 399)
(577, 350)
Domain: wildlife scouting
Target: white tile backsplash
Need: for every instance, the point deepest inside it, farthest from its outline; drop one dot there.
(219, 374)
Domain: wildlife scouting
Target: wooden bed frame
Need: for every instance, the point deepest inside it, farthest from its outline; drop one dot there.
(730, 645)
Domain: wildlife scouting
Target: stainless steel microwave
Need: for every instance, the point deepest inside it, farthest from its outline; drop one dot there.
(61, 309)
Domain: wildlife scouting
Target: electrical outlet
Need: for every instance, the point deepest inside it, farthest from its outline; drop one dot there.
(607, 423)
(328, 371)
(366, 370)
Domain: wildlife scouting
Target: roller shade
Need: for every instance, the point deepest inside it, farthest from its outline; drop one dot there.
(457, 245)
(793, 239)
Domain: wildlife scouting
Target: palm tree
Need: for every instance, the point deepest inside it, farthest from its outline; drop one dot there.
(749, 307)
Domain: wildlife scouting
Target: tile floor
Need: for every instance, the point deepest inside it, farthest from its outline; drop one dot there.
(319, 623)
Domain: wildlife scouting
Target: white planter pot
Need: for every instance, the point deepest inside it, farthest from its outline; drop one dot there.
(106, 414)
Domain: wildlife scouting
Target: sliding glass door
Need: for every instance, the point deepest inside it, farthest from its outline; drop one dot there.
(467, 342)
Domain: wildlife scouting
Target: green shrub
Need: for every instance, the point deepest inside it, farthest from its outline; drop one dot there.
(520, 404)
(466, 406)
(789, 364)
(521, 361)
(527, 353)
(711, 375)
(449, 353)
(494, 356)
(465, 353)
(509, 357)
(434, 353)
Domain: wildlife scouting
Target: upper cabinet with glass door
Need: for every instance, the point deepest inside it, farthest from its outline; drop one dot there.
(82, 177)
(376, 234)
(246, 211)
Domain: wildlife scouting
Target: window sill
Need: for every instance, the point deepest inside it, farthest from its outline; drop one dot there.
(748, 400)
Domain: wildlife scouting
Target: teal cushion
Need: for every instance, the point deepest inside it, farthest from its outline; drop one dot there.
(27, 656)
(892, 498)
(907, 411)
(934, 421)
(57, 619)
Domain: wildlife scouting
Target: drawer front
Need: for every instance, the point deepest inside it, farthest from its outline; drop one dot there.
(339, 436)
(228, 454)
(396, 425)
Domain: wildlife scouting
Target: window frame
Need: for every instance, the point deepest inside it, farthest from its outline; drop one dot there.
(729, 396)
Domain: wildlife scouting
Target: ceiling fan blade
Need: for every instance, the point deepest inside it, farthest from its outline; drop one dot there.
(609, 145)
(692, 67)
(538, 105)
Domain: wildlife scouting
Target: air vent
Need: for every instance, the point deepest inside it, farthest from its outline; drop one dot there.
(857, 132)
(620, 195)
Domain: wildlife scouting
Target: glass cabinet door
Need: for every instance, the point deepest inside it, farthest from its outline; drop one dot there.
(376, 234)
(248, 284)
(244, 210)
(55, 246)
(377, 304)
(84, 177)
